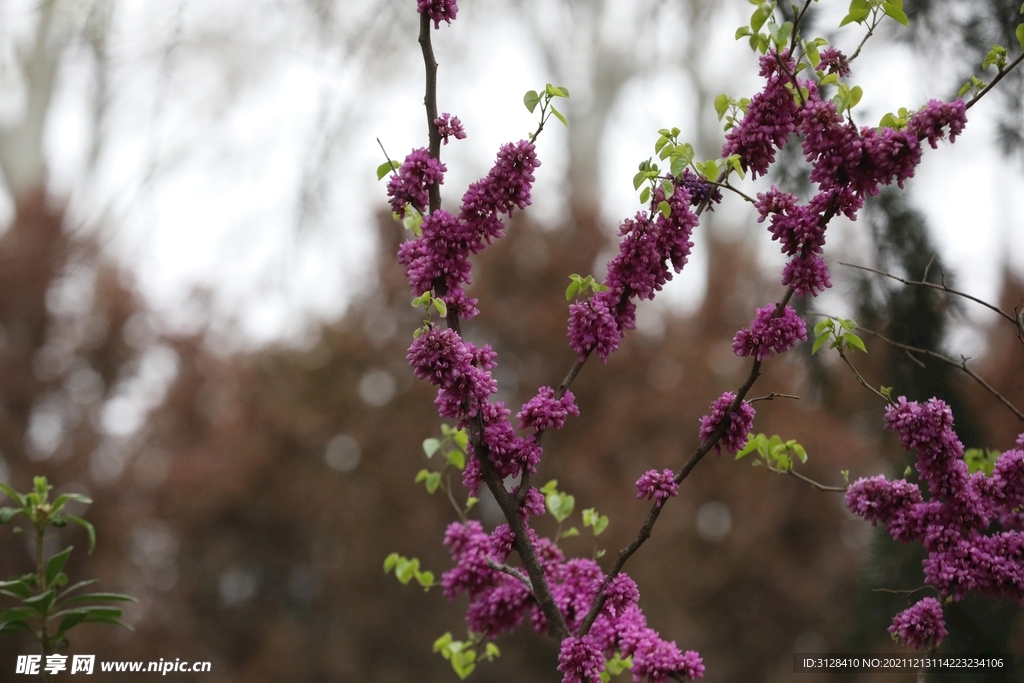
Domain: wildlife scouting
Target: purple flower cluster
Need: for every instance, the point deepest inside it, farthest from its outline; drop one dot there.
(964, 553)
(449, 127)
(438, 10)
(409, 185)
(771, 116)
(740, 423)
(921, 625)
(579, 658)
(769, 335)
(848, 164)
(834, 62)
(701, 190)
(657, 485)
(652, 247)
(439, 257)
(544, 411)
(499, 603)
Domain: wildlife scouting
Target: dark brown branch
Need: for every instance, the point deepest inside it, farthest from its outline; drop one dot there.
(949, 361)
(772, 396)
(940, 286)
(430, 102)
(511, 571)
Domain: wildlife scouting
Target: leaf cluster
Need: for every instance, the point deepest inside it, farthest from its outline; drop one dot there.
(841, 336)
(45, 607)
(464, 654)
(775, 454)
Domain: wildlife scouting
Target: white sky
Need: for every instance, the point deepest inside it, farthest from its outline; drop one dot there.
(208, 144)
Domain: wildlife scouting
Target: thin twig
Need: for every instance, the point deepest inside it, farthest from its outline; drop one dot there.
(995, 80)
(949, 361)
(511, 571)
(394, 171)
(772, 396)
(871, 30)
(430, 103)
(876, 392)
(796, 26)
(448, 490)
(940, 286)
(808, 480)
(727, 186)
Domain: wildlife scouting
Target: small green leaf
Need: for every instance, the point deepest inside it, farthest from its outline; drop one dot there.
(492, 651)
(855, 94)
(891, 9)
(470, 502)
(645, 195)
(406, 570)
(7, 514)
(41, 603)
(742, 32)
(550, 487)
(722, 103)
(531, 100)
(1020, 35)
(433, 481)
(760, 16)
(907, 472)
(639, 179)
(822, 326)
(441, 644)
(12, 494)
(425, 579)
(749, 447)
(818, 343)
(570, 532)
(829, 79)
(90, 530)
(854, 341)
(56, 563)
(430, 447)
(600, 525)
(665, 208)
(571, 290)
(442, 308)
(589, 517)
(422, 475)
(558, 115)
(385, 168)
(456, 458)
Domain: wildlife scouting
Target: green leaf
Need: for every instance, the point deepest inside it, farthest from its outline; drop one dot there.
(13, 495)
(829, 79)
(589, 517)
(7, 514)
(406, 570)
(462, 663)
(18, 588)
(1020, 34)
(470, 502)
(760, 16)
(570, 532)
(385, 168)
(422, 475)
(456, 458)
(825, 324)
(442, 308)
(42, 602)
(433, 481)
(11, 627)
(571, 290)
(56, 563)
(722, 104)
(100, 597)
(666, 151)
(854, 341)
(550, 487)
(749, 447)
(18, 614)
(70, 620)
(390, 561)
(430, 447)
(855, 94)
(425, 579)
(891, 9)
(80, 584)
(639, 179)
(665, 208)
(645, 195)
(818, 343)
(492, 651)
(531, 100)
(441, 644)
(742, 32)
(558, 115)
(600, 525)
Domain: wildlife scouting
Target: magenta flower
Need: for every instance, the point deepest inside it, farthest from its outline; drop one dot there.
(921, 625)
(438, 10)
(768, 335)
(740, 423)
(657, 485)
